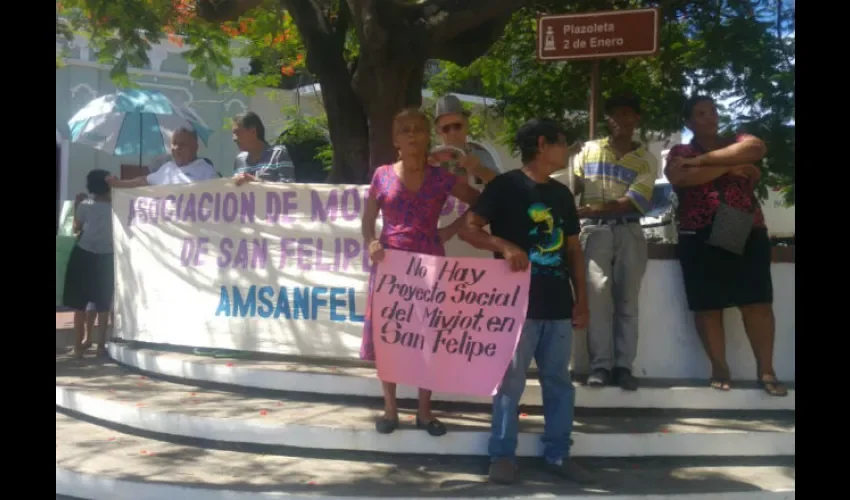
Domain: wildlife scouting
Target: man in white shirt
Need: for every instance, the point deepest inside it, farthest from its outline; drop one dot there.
(184, 168)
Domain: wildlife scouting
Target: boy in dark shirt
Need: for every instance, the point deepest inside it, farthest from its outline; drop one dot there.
(533, 220)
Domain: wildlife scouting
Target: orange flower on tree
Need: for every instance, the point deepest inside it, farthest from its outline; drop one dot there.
(287, 70)
(184, 9)
(229, 30)
(176, 40)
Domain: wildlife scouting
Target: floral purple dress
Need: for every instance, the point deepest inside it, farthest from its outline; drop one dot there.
(410, 223)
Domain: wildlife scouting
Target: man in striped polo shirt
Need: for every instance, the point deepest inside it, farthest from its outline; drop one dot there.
(616, 176)
(258, 161)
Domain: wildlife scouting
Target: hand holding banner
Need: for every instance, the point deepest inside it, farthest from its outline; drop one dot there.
(447, 324)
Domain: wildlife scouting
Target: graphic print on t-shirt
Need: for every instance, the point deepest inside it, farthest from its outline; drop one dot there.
(547, 239)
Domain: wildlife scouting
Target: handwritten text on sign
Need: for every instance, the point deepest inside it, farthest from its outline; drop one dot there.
(446, 324)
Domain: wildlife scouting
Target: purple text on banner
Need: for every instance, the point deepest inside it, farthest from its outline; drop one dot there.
(446, 324)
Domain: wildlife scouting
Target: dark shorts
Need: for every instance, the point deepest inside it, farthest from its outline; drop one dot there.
(716, 279)
(90, 277)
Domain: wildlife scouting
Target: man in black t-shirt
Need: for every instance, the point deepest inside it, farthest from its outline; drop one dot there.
(533, 220)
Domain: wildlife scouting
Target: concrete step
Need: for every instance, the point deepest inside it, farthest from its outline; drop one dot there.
(103, 390)
(105, 463)
(359, 379)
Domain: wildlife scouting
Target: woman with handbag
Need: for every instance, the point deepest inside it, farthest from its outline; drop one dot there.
(724, 248)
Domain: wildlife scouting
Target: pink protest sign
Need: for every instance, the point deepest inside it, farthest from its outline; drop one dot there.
(446, 324)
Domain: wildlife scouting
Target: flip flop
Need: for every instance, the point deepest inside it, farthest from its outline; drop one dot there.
(720, 384)
(386, 425)
(434, 427)
(773, 386)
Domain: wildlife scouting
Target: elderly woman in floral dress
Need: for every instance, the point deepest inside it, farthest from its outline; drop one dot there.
(410, 195)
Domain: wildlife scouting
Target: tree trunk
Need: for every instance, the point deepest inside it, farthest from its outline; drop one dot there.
(396, 38)
(349, 131)
(385, 87)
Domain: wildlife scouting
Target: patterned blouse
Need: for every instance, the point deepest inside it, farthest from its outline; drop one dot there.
(698, 204)
(410, 219)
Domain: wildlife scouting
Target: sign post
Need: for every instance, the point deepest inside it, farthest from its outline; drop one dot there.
(598, 35)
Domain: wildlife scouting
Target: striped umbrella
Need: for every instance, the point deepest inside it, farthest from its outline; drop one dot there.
(132, 122)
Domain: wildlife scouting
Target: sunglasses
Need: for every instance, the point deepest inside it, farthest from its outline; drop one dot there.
(451, 127)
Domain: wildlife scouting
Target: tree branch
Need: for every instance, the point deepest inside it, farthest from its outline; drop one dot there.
(448, 19)
(316, 33)
(369, 30)
(308, 16)
(220, 11)
(343, 21)
(470, 45)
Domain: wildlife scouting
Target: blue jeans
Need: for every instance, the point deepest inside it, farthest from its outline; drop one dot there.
(550, 343)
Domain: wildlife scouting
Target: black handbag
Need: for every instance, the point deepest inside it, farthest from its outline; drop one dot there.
(731, 227)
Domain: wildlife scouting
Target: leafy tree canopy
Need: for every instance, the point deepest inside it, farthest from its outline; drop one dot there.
(370, 58)
(368, 55)
(741, 52)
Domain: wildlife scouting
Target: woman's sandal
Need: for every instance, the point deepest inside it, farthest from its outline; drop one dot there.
(386, 425)
(772, 386)
(434, 427)
(719, 383)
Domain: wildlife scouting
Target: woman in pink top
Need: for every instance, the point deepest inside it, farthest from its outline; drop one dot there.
(410, 195)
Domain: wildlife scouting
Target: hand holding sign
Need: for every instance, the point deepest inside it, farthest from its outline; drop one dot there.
(447, 324)
(376, 251)
(516, 257)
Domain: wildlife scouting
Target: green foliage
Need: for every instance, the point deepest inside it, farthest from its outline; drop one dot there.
(301, 128)
(727, 49)
(304, 129)
(121, 32)
(325, 154)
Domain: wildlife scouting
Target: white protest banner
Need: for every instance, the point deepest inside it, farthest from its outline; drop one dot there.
(275, 268)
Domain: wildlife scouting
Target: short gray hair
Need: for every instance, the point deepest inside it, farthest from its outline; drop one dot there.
(186, 130)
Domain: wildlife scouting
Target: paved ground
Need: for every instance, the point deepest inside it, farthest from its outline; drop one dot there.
(106, 380)
(104, 449)
(91, 449)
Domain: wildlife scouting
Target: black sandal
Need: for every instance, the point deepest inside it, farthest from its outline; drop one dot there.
(386, 425)
(434, 427)
(772, 386)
